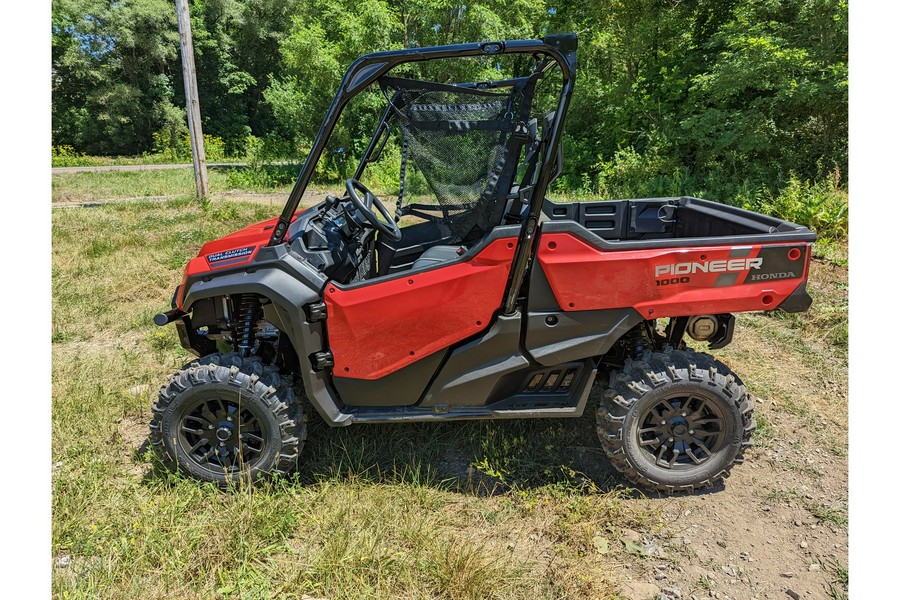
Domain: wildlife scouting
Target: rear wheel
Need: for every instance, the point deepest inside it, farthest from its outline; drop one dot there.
(224, 418)
(675, 421)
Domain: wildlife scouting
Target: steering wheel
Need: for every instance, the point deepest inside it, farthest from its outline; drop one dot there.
(389, 226)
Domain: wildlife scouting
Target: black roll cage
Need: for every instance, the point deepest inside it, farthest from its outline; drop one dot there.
(367, 69)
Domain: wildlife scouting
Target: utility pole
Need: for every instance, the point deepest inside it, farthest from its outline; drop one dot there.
(198, 152)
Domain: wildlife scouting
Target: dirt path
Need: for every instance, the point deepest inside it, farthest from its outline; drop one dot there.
(310, 198)
(102, 168)
(759, 537)
(778, 527)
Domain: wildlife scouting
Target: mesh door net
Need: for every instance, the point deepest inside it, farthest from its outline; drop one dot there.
(466, 143)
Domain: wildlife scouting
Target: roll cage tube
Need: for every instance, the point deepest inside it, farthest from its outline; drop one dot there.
(368, 68)
(567, 44)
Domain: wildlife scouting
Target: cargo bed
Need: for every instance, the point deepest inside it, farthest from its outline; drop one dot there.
(668, 222)
(670, 257)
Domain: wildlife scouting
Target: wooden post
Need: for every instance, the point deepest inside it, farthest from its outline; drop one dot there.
(193, 103)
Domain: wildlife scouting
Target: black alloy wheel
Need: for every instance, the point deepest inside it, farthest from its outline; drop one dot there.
(222, 434)
(225, 419)
(682, 431)
(674, 421)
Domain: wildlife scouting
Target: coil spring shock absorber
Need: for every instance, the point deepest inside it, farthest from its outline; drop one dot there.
(245, 325)
(635, 341)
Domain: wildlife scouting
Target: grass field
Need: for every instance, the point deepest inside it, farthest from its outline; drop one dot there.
(117, 185)
(462, 510)
(351, 523)
(66, 156)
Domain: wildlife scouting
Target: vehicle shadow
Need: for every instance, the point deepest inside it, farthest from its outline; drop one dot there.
(473, 457)
(480, 457)
(484, 458)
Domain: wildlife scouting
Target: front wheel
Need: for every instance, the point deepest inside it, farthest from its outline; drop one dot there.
(223, 418)
(675, 421)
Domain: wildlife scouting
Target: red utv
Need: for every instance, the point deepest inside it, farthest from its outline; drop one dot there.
(493, 302)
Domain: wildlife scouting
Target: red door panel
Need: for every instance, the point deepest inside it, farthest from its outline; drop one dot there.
(669, 282)
(379, 328)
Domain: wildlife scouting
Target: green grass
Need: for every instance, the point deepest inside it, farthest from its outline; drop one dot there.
(837, 588)
(764, 431)
(87, 186)
(450, 510)
(413, 511)
(84, 160)
(830, 513)
(167, 153)
(835, 513)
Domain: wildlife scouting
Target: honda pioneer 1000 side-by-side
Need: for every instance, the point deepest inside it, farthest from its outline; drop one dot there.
(492, 302)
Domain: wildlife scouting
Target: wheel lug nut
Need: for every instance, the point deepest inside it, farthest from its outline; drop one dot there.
(671, 439)
(664, 422)
(230, 418)
(684, 414)
(209, 426)
(221, 443)
(691, 432)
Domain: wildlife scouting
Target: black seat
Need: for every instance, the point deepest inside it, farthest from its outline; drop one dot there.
(437, 254)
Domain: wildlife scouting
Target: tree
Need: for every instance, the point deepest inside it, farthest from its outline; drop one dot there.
(237, 45)
(687, 95)
(112, 73)
(775, 100)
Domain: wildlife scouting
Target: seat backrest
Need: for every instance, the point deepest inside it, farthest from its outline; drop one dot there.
(466, 142)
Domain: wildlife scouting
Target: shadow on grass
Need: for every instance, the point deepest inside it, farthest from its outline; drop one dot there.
(473, 457)
(484, 458)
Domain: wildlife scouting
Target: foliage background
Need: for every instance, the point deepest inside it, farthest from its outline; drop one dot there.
(735, 100)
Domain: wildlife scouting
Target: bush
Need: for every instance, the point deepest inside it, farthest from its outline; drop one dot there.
(633, 175)
(822, 206)
(214, 147)
(175, 146)
(67, 156)
(259, 173)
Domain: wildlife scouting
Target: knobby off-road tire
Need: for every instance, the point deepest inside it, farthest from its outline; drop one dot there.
(675, 421)
(224, 419)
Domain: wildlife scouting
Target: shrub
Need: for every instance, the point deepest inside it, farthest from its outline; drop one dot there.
(67, 156)
(260, 153)
(822, 206)
(175, 146)
(632, 175)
